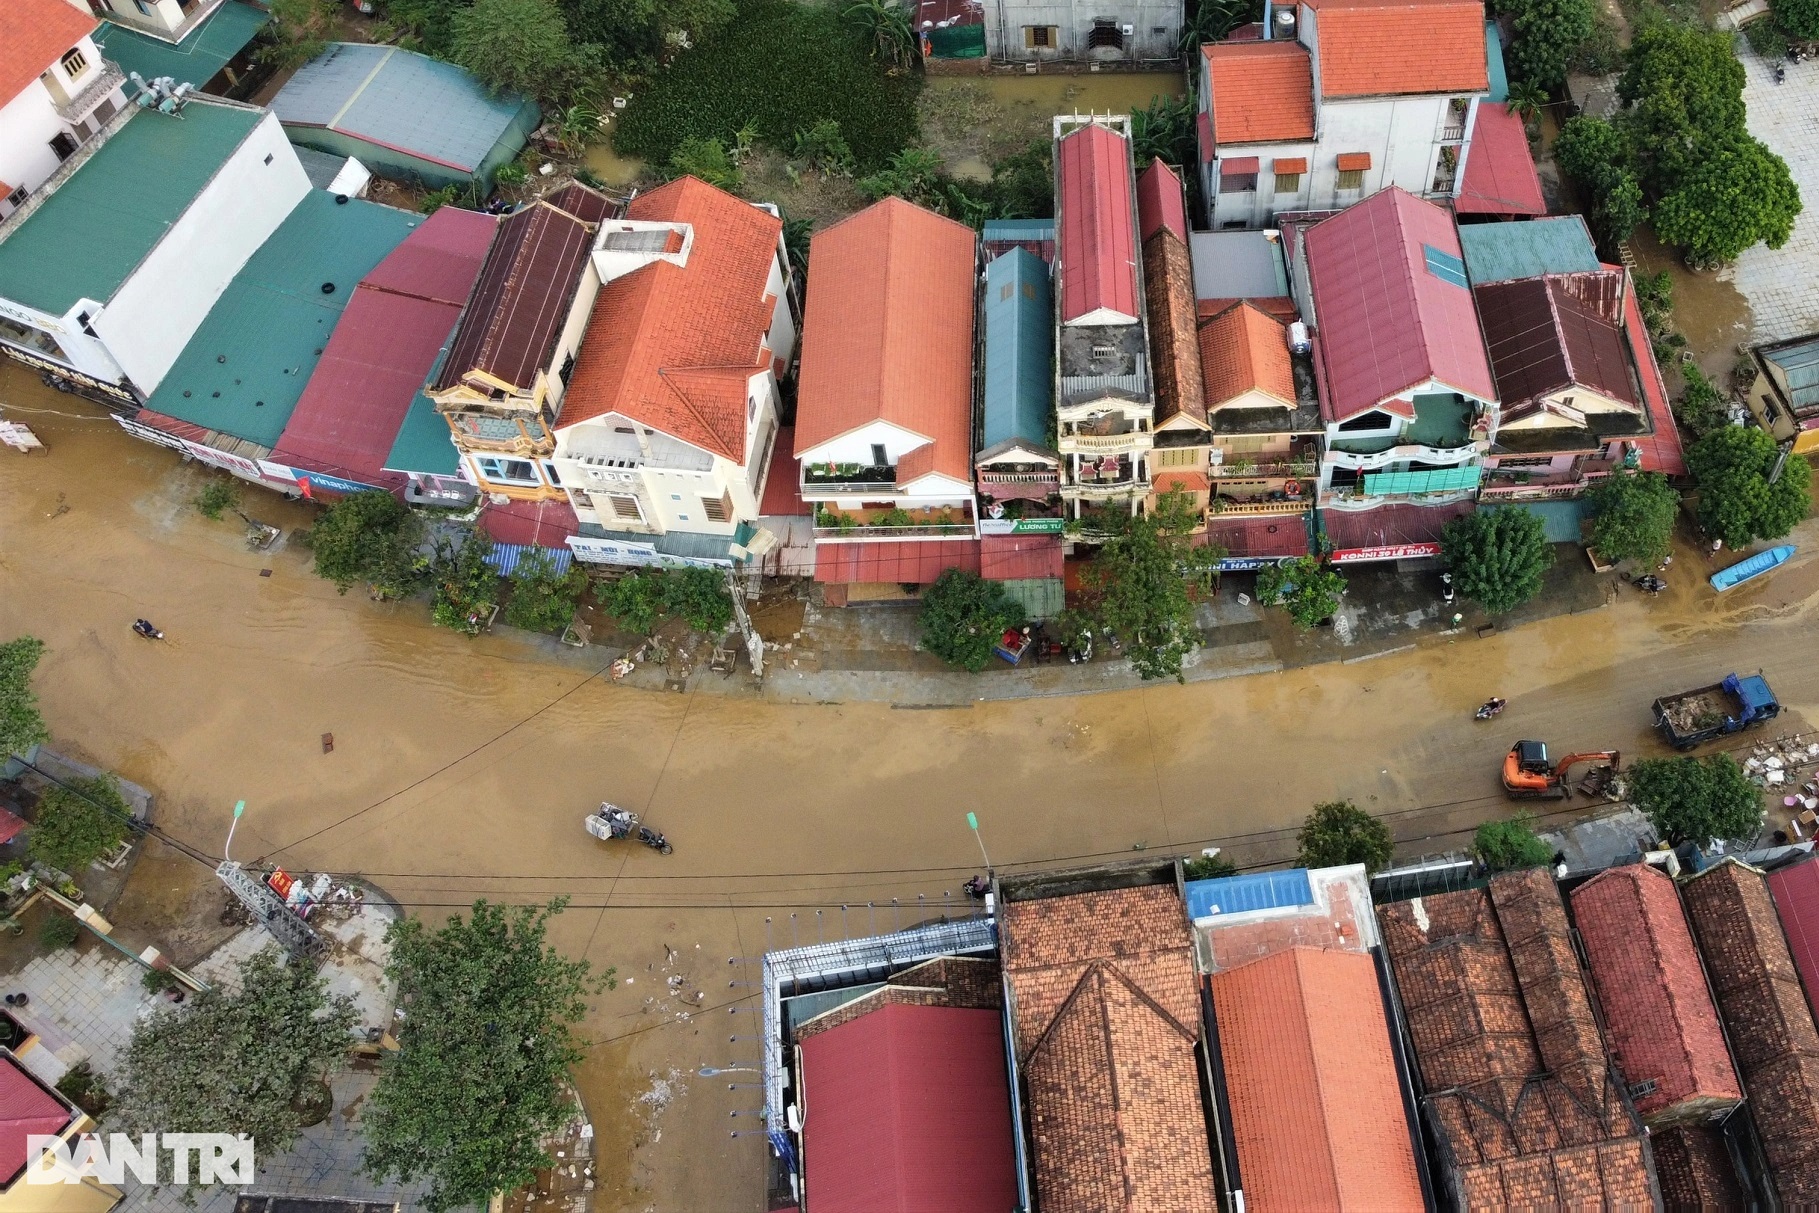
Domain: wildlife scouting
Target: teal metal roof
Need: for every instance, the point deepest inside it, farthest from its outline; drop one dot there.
(1018, 229)
(1436, 480)
(197, 59)
(1493, 59)
(424, 444)
(87, 237)
(1019, 343)
(1799, 362)
(242, 372)
(1040, 597)
(1498, 252)
(1560, 520)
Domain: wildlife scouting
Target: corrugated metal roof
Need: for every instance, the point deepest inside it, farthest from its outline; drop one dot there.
(1795, 890)
(86, 238)
(504, 557)
(197, 59)
(1015, 231)
(1493, 61)
(1238, 265)
(1019, 349)
(1497, 252)
(1040, 597)
(905, 562)
(1161, 202)
(405, 101)
(424, 444)
(1098, 224)
(1500, 176)
(1800, 363)
(249, 362)
(29, 1109)
(1253, 891)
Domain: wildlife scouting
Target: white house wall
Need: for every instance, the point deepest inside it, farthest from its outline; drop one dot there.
(574, 330)
(29, 122)
(855, 446)
(153, 316)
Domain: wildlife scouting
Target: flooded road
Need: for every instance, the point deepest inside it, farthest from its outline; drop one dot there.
(462, 768)
(1709, 310)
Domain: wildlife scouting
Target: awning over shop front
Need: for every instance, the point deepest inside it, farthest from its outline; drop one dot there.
(1389, 532)
(907, 562)
(1019, 557)
(1262, 537)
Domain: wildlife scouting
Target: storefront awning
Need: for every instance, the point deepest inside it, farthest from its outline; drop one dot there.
(907, 562)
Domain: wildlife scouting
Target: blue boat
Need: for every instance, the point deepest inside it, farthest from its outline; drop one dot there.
(1755, 566)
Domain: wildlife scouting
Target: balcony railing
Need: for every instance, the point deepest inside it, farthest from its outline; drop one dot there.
(1263, 471)
(1051, 477)
(850, 478)
(859, 488)
(1107, 488)
(875, 532)
(1261, 507)
(1131, 440)
(109, 78)
(1524, 492)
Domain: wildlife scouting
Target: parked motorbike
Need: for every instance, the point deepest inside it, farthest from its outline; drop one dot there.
(144, 628)
(1780, 73)
(1490, 709)
(976, 887)
(1082, 650)
(611, 822)
(1651, 583)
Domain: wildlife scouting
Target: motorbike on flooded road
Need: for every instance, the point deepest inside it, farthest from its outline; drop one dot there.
(1490, 709)
(143, 627)
(611, 822)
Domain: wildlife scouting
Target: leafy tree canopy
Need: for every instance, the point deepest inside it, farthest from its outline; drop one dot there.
(1144, 573)
(1633, 517)
(1738, 193)
(1684, 87)
(77, 822)
(487, 1040)
(643, 599)
(1696, 799)
(1505, 846)
(522, 46)
(1497, 556)
(1800, 18)
(1737, 501)
(299, 31)
(963, 615)
(1306, 589)
(1597, 155)
(467, 587)
(236, 1062)
(368, 537)
(21, 726)
(634, 32)
(1547, 34)
(543, 599)
(1338, 832)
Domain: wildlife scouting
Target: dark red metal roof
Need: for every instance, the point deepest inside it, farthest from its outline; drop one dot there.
(1160, 202)
(907, 1110)
(10, 825)
(1260, 535)
(1097, 238)
(27, 1108)
(1378, 533)
(1796, 893)
(375, 362)
(1019, 557)
(1500, 177)
(546, 524)
(1661, 451)
(905, 562)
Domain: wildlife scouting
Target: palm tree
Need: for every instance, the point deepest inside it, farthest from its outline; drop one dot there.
(887, 24)
(1526, 100)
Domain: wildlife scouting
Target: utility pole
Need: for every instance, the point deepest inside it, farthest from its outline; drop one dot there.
(754, 643)
(263, 903)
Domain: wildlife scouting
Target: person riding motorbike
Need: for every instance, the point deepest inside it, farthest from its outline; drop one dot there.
(1491, 707)
(144, 628)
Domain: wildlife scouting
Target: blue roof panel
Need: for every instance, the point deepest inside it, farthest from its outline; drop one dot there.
(1019, 344)
(1256, 891)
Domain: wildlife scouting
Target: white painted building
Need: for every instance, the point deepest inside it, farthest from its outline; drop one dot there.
(168, 20)
(1090, 31)
(56, 92)
(1347, 98)
(671, 414)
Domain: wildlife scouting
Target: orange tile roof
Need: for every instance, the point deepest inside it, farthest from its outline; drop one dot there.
(34, 34)
(1374, 48)
(1245, 349)
(1262, 92)
(888, 334)
(674, 346)
(1188, 482)
(1316, 1103)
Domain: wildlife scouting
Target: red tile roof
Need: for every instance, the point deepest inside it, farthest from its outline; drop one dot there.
(1262, 92)
(34, 35)
(888, 334)
(1389, 525)
(1019, 557)
(1316, 1104)
(1388, 323)
(1696, 1169)
(25, 1108)
(1169, 479)
(1168, 293)
(1259, 535)
(1661, 451)
(1500, 177)
(1244, 349)
(1096, 244)
(1160, 201)
(544, 524)
(1662, 1025)
(522, 299)
(907, 1110)
(1372, 48)
(375, 362)
(673, 347)
(904, 562)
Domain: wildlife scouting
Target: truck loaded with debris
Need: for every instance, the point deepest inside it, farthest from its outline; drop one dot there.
(1739, 702)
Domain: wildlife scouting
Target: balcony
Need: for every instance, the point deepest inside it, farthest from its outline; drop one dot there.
(824, 479)
(1016, 486)
(1519, 491)
(1223, 507)
(1278, 470)
(1112, 444)
(890, 524)
(109, 78)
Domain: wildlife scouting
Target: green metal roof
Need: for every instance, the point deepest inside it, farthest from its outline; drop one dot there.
(87, 237)
(1040, 597)
(1498, 252)
(1493, 59)
(1437, 480)
(243, 371)
(197, 59)
(424, 443)
(1560, 520)
(1798, 362)
(1019, 346)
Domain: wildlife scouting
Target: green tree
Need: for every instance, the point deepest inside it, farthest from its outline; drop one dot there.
(1741, 499)
(1800, 18)
(220, 494)
(245, 1061)
(1023, 183)
(77, 822)
(429, 22)
(1497, 556)
(1738, 193)
(1596, 154)
(21, 725)
(543, 599)
(1207, 867)
(466, 586)
(1696, 799)
(888, 29)
(1338, 832)
(1547, 34)
(484, 1049)
(708, 160)
(641, 600)
(1303, 587)
(1684, 88)
(299, 31)
(520, 46)
(963, 615)
(1505, 846)
(1701, 408)
(1633, 516)
(633, 33)
(1211, 20)
(368, 537)
(1144, 574)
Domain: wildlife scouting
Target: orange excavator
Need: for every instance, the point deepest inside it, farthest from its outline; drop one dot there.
(1527, 774)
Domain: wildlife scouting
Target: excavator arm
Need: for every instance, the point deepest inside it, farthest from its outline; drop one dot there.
(1613, 757)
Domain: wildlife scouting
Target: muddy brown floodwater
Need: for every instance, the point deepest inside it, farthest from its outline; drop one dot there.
(463, 768)
(1709, 310)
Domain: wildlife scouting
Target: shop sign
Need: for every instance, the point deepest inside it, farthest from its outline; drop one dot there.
(1393, 551)
(333, 484)
(612, 551)
(74, 376)
(223, 460)
(1020, 526)
(1250, 564)
(282, 882)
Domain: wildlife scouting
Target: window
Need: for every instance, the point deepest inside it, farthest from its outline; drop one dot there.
(144, 8)
(1105, 35)
(64, 145)
(1040, 35)
(549, 473)
(1029, 290)
(1288, 183)
(1351, 178)
(751, 408)
(879, 459)
(1524, 463)
(73, 61)
(1005, 291)
(568, 368)
(1181, 457)
(508, 471)
(715, 509)
(626, 508)
(18, 196)
(1372, 420)
(581, 499)
(1237, 183)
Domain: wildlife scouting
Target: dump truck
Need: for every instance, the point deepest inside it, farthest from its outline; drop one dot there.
(1528, 775)
(1741, 701)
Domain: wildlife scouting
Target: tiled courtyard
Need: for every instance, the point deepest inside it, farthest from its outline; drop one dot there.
(1778, 283)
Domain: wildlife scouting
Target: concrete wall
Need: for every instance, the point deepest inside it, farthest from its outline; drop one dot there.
(153, 316)
(1155, 28)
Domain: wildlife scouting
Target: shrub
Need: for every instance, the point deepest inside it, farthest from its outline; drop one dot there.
(523, 46)
(1497, 556)
(77, 822)
(86, 1089)
(963, 615)
(543, 599)
(1338, 832)
(1800, 18)
(1633, 516)
(368, 537)
(1701, 407)
(1208, 867)
(217, 496)
(21, 724)
(1307, 590)
(1766, 38)
(782, 67)
(467, 587)
(641, 600)
(1505, 846)
(59, 931)
(707, 159)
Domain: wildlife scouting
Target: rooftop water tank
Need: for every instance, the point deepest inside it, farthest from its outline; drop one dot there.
(1297, 338)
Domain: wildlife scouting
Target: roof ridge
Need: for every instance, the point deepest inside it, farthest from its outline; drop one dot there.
(1298, 955)
(669, 379)
(1667, 987)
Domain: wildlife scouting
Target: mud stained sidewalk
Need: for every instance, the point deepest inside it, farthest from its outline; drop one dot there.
(463, 768)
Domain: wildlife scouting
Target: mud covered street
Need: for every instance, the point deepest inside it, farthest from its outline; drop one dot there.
(463, 768)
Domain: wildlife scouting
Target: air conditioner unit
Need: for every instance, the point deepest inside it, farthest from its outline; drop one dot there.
(1127, 30)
